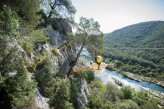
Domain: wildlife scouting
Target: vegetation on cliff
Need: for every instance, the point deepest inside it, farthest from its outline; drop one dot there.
(25, 50)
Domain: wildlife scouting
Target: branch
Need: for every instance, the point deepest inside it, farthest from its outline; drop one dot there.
(55, 4)
(59, 4)
(107, 97)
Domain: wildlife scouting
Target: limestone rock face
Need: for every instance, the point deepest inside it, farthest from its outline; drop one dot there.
(41, 101)
(68, 55)
(57, 39)
(83, 93)
(65, 26)
(85, 59)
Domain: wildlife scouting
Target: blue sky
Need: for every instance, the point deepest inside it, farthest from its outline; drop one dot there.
(115, 14)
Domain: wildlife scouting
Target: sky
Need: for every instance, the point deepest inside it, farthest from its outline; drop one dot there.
(115, 14)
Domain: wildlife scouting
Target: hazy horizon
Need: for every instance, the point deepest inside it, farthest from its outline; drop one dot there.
(116, 14)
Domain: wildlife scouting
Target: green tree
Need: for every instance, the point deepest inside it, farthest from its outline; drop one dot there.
(150, 105)
(59, 93)
(128, 104)
(20, 90)
(57, 7)
(128, 92)
(74, 92)
(86, 74)
(26, 9)
(88, 32)
(9, 21)
(96, 102)
(45, 73)
(14, 73)
(111, 92)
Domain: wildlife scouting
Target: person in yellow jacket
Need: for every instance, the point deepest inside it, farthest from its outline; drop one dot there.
(98, 59)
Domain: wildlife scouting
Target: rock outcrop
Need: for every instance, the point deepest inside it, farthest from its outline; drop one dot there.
(67, 56)
(82, 99)
(57, 39)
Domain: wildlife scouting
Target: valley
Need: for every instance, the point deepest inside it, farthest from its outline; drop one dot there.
(132, 49)
(49, 60)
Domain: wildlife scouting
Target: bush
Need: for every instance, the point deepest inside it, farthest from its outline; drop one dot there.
(150, 105)
(18, 87)
(55, 25)
(111, 92)
(129, 104)
(96, 102)
(87, 74)
(27, 45)
(55, 51)
(20, 91)
(142, 98)
(44, 74)
(9, 22)
(97, 83)
(128, 92)
(39, 35)
(74, 92)
(59, 93)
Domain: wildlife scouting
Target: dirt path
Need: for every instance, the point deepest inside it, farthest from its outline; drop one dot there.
(93, 67)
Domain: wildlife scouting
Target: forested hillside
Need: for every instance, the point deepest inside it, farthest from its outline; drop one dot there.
(139, 45)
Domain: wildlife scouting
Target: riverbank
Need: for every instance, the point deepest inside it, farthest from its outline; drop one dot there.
(130, 75)
(151, 93)
(136, 76)
(142, 78)
(154, 91)
(156, 94)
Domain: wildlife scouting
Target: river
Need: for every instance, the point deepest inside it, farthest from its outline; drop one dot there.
(106, 75)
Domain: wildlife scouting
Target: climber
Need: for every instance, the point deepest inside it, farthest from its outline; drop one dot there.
(98, 59)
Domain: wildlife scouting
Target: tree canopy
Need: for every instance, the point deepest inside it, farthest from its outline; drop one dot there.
(56, 8)
(88, 35)
(26, 9)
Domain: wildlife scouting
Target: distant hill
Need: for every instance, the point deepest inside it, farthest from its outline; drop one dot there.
(146, 34)
(132, 49)
(142, 35)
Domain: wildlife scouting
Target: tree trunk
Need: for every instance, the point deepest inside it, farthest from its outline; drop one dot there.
(50, 14)
(53, 6)
(75, 61)
(72, 64)
(107, 97)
